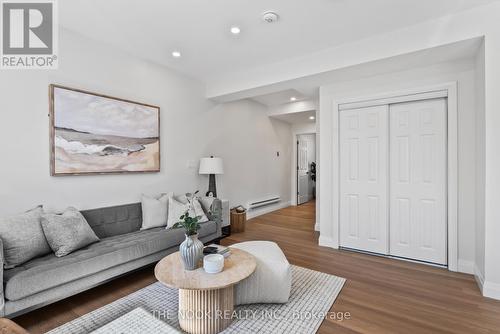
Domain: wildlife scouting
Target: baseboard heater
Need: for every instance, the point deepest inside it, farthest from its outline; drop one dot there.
(264, 202)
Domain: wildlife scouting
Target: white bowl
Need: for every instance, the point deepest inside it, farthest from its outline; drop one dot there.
(213, 263)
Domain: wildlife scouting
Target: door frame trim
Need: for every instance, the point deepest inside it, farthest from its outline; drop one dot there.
(450, 88)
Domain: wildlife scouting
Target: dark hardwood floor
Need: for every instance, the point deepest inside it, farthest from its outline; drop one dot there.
(382, 295)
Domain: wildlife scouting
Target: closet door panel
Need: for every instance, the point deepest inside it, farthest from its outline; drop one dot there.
(363, 179)
(418, 156)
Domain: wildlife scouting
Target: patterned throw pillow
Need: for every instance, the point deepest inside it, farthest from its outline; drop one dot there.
(23, 238)
(67, 232)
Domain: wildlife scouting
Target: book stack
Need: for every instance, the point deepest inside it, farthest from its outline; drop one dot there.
(217, 249)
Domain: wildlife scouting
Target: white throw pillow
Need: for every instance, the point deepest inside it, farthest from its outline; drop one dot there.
(199, 212)
(176, 208)
(154, 211)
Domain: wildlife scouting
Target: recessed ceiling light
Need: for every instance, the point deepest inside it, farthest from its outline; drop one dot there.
(293, 98)
(312, 118)
(176, 54)
(235, 30)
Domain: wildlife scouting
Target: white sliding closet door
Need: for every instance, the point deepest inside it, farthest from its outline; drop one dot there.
(418, 172)
(363, 179)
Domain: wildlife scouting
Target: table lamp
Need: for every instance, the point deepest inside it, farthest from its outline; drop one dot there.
(211, 166)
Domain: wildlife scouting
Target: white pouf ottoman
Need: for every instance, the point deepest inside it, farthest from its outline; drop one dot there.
(272, 280)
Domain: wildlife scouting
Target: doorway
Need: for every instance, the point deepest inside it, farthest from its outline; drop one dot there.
(306, 168)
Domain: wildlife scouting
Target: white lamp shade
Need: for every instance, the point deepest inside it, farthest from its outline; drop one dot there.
(211, 166)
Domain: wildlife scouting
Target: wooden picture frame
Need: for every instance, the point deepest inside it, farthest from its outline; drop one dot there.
(94, 134)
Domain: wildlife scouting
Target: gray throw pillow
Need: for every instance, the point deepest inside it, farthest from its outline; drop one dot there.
(23, 238)
(67, 232)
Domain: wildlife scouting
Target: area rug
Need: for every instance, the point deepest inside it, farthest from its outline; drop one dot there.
(313, 293)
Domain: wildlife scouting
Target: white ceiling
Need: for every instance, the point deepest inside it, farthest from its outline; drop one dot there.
(296, 117)
(152, 29)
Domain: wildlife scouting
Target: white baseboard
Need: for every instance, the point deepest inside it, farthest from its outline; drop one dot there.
(316, 226)
(478, 275)
(262, 211)
(465, 266)
(488, 289)
(491, 290)
(327, 242)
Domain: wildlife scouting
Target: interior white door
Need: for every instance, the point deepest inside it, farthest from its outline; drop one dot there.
(363, 179)
(418, 155)
(302, 171)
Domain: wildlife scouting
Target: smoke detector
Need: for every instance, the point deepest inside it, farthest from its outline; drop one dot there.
(270, 17)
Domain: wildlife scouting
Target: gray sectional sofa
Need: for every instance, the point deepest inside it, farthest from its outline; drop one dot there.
(123, 248)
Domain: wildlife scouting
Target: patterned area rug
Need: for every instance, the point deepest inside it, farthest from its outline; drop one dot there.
(312, 295)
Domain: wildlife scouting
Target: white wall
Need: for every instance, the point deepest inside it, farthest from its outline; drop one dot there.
(293, 107)
(248, 140)
(461, 71)
(191, 127)
(24, 129)
(300, 128)
(491, 286)
(480, 160)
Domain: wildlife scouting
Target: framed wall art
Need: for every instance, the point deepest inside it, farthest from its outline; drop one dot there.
(97, 134)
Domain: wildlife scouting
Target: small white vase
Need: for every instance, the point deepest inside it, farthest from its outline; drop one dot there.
(191, 251)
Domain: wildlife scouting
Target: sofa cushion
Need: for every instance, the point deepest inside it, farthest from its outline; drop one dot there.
(50, 271)
(114, 220)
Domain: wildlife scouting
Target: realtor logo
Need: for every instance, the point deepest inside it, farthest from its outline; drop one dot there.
(29, 34)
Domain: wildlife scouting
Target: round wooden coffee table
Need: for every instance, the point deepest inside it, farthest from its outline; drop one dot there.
(206, 301)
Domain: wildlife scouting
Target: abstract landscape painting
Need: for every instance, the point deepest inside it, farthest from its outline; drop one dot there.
(92, 133)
